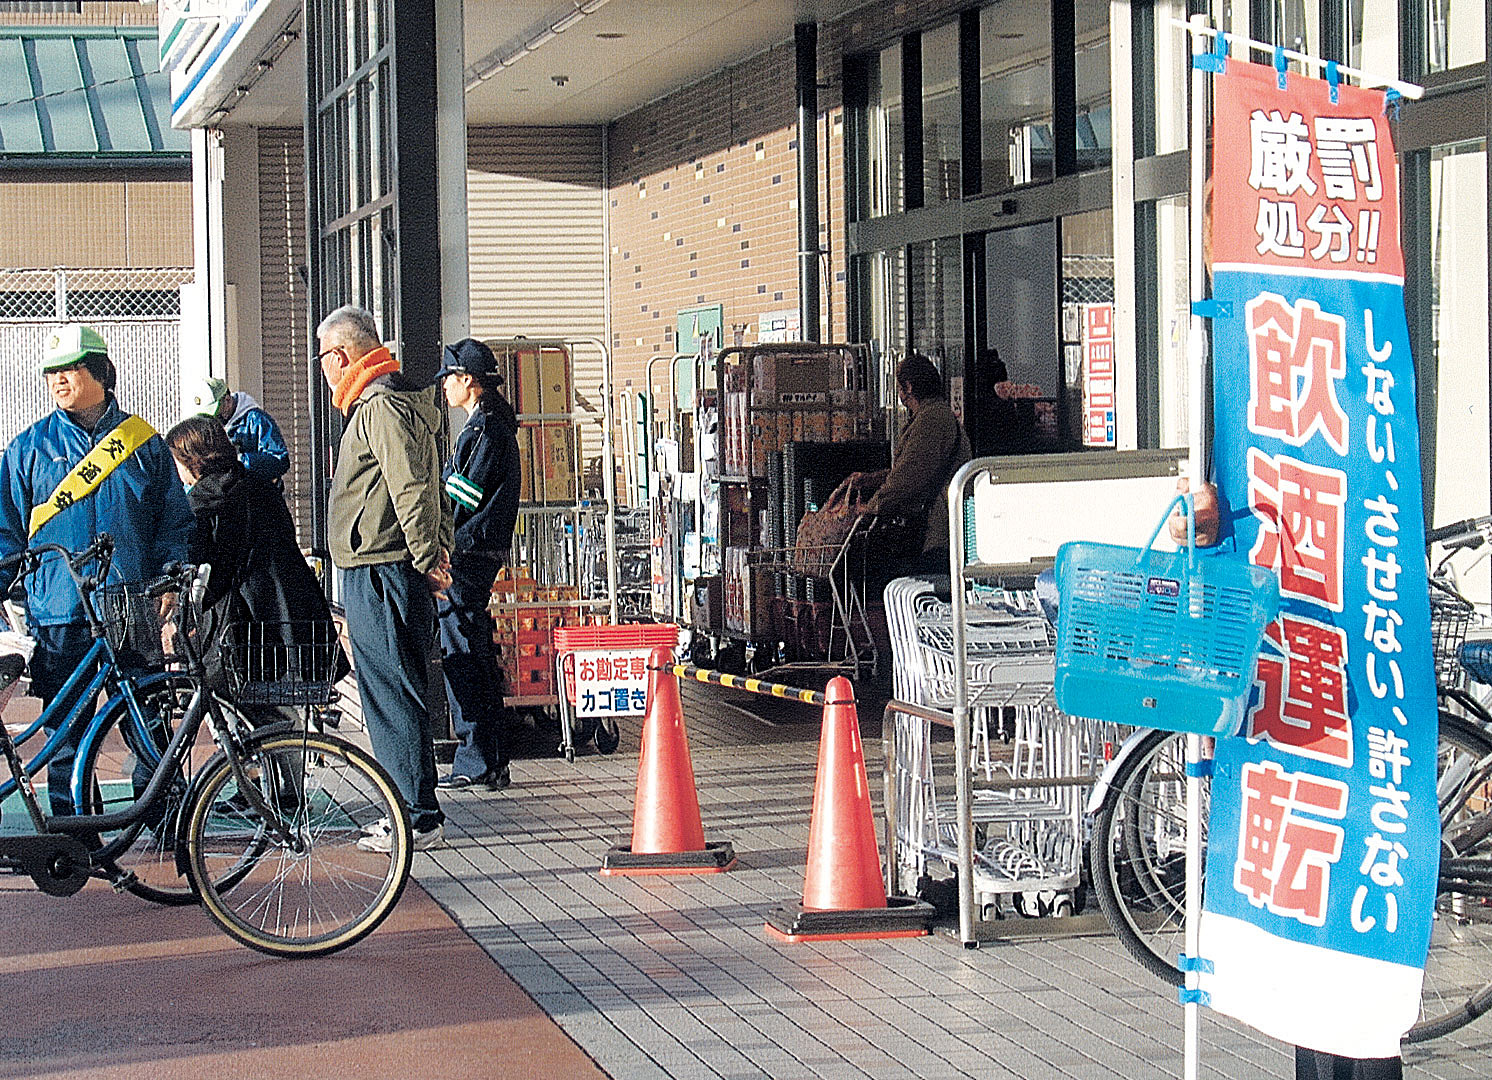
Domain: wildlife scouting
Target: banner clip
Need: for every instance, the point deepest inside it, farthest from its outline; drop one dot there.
(1280, 64)
(1208, 62)
(1212, 309)
(1194, 997)
(1202, 769)
(1194, 963)
(1333, 79)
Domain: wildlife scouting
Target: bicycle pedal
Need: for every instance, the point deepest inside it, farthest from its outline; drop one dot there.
(122, 882)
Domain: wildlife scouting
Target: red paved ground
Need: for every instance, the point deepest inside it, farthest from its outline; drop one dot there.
(104, 986)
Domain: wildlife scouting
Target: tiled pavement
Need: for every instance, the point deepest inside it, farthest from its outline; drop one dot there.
(672, 977)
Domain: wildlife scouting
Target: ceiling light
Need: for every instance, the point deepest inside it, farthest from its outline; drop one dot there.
(610, 35)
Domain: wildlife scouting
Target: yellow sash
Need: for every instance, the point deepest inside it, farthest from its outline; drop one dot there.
(131, 434)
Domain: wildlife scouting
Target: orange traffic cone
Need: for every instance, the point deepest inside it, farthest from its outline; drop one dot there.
(667, 834)
(843, 893)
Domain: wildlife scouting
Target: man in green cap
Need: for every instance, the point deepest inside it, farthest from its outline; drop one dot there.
(86, 468)
(261, 447)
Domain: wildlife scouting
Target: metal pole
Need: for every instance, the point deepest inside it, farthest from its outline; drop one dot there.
(963, 781)
(806, 36)
(1196, 347)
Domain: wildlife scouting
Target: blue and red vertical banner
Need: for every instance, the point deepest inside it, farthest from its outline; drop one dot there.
(1324, 830)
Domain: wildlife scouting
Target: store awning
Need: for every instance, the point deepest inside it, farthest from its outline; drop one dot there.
(85, 97)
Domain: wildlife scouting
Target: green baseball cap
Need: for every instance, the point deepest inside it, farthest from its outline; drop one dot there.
(208, 395)
(67, 345)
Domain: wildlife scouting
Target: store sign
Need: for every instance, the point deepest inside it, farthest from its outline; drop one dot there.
(1323, 845)
(608, 682)
(1098, 374)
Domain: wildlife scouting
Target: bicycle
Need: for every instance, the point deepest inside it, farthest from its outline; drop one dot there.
(267, 829)
(1138, 810)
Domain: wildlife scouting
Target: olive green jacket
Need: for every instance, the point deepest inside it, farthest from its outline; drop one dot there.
(386, 503)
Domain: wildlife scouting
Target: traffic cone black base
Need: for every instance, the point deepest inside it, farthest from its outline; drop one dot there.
(715, 858)
(903, 916)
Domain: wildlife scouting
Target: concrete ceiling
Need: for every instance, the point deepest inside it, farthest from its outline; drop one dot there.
(662, 45)
(625, 54)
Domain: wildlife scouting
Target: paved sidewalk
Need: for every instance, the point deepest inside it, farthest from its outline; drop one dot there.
(672, 977)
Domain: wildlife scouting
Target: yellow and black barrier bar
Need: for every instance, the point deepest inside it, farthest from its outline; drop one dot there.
(747, 683)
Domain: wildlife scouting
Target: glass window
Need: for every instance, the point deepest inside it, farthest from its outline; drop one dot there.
(1170, 72)
(1015, 93)
(1022, 365)
(935, 302)
(1373, 36)
(1455, 32)
(1087, 325)
(1095, 145)
(883, 276)
(942, 116)
(1458, 253)
(885, 146)
(1171, 315)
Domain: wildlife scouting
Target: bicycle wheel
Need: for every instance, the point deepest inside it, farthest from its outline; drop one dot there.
(118, 756)
(1138, 854)
(1139, 864)
(1458, 971)
(314, 892)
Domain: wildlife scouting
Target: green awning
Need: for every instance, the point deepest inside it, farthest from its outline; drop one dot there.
(85, 96)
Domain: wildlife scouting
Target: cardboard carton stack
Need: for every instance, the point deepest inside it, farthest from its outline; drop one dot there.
(540, 382)
(526, 614)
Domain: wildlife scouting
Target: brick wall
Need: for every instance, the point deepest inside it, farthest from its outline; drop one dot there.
(113, 13)
(703, 191)
(704, 208)
(96, 223)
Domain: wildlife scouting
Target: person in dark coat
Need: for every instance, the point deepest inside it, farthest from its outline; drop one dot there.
(259, 576)
(481, 478)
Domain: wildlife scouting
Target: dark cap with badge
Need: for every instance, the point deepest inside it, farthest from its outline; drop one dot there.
(471, 357)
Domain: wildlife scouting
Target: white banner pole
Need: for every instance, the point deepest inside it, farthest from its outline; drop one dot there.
(1196, 349)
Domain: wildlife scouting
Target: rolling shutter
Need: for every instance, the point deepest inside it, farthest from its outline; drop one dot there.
(536, 221)
(286, 338)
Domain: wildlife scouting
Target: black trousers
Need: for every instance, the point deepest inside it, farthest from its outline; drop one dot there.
(1319, 1065)
(474, 679)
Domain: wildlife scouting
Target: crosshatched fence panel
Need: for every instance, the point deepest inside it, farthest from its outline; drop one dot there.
(136, 309)
(146, 353)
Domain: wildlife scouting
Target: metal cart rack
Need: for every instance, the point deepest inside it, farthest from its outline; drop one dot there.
(978, 659)
(792, 418)
(1027, 811)
(564, 560)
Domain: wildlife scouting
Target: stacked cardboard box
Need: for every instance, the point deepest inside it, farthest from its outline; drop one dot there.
(540, 383)
(526, 614)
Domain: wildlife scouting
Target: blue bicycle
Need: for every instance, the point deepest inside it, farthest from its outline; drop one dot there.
(263, 824)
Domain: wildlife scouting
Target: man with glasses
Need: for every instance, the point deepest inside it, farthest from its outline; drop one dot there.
(389, 531)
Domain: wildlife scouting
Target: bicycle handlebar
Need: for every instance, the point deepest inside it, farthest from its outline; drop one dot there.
(1469, 533)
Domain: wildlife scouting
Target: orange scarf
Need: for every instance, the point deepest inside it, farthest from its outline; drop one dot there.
(359, 374)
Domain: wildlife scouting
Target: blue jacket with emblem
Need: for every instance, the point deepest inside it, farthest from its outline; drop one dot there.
(482, 479)
(257, 438)
(141, 504)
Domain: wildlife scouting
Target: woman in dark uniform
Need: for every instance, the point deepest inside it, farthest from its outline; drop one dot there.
(481, 479)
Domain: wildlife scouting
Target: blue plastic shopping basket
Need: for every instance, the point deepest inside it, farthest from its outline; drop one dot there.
(1159, 639)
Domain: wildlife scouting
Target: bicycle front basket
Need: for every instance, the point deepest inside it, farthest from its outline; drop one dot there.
(281, 663)
(1156, 639)
(131, 620)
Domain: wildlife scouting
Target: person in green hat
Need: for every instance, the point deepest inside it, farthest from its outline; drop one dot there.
(86, 468)
(253, 431)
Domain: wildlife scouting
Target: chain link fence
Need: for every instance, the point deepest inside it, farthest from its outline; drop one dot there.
(137, 312)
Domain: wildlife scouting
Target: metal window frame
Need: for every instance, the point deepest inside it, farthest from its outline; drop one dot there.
(373, 230)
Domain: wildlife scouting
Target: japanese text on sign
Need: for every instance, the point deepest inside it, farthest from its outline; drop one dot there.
(611, 683)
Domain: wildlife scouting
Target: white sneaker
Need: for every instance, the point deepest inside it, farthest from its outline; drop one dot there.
(424, 840)
(381, 827)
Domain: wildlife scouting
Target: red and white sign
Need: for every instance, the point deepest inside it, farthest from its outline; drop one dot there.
(1098, 374)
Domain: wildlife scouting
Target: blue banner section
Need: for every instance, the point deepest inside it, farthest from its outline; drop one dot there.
(1324, 827)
